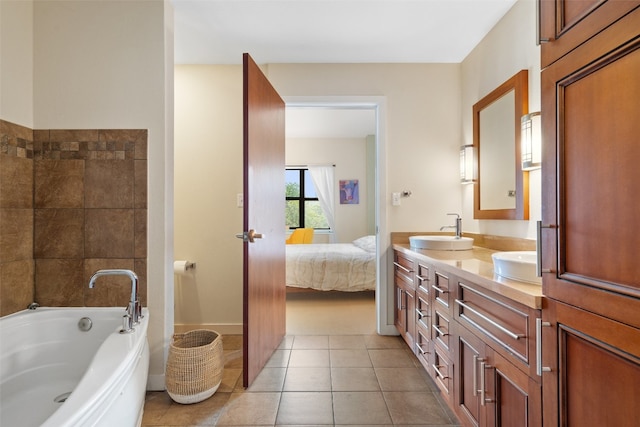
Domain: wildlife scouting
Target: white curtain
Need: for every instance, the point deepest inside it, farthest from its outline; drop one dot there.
(322, 177)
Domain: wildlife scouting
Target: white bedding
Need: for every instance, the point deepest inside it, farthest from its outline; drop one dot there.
(336, 266)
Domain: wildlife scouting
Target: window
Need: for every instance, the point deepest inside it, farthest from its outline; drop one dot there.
(303, 208)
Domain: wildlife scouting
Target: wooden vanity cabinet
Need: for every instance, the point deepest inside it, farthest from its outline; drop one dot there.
(405, 296)
(494, 348)
(590, 234)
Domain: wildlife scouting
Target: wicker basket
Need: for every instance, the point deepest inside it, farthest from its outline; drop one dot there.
(194, 366)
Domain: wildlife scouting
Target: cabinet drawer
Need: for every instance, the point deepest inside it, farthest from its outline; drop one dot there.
(423, 311)
(404, 267)
(443, 374)
(441, 290)
(422, 278)
(502, 322)
(441, 328)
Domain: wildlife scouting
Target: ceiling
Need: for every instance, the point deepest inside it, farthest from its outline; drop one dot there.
(331, 31)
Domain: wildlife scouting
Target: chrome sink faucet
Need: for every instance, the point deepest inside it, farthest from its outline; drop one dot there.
(134, 309)
(457, 226)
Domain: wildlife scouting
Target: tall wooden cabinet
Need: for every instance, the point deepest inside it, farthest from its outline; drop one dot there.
(591, 212)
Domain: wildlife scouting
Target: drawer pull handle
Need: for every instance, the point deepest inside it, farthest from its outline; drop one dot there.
(491, 321)
(442, 291)
(539, 269)
(420, 349)
(422, 278)
(476, 359)
(403, 268)
(438, 373)
(539, 368)
(483, 393)
(422, 313)
(439, 331)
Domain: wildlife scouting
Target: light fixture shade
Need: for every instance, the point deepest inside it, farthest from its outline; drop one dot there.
(531, 138)
(466, 165)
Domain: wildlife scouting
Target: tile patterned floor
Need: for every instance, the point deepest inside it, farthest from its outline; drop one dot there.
(331, 370)
(315, 380)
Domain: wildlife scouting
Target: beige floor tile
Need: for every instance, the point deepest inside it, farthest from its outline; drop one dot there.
(308, 379)
(350, 358)
(250, 409)
(310, 342)
(360, 408)
(347, 341)
(269, 379)
(401, 379)
(309, 359)
(156, 405)
(305, 408)
(390, 358)
(279, 359)
(287, 342)
(232, 359)
(205, 413)
(331, 313)
(415, 408)
(383, 341)
(230, 379)
(232, 342)
(354, 379)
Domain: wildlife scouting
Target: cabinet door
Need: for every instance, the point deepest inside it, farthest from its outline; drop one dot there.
(514, 398)
(590, 107)
(565, 24)
(594, 377)
(470, 354)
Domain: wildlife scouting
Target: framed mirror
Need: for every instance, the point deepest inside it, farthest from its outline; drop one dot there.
(502, 188)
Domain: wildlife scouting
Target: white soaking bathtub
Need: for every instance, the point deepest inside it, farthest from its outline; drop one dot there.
(55, 373)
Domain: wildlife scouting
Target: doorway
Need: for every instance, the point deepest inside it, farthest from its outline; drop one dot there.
(383, 293)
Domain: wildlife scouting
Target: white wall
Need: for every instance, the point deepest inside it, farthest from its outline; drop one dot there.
(103, 65)
(208, 176)
(507, 49)
(16, 62)
(349, 157)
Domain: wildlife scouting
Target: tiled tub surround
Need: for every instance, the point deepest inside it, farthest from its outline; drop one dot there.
(71, 202)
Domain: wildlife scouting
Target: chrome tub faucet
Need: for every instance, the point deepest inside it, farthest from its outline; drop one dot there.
(134, 309)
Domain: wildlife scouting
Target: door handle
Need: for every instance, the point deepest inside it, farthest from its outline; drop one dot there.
(250, 236)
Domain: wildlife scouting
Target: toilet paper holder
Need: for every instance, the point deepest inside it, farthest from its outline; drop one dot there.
(190, 266)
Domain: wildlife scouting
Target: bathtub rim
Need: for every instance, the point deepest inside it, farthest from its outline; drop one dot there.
(114, 362)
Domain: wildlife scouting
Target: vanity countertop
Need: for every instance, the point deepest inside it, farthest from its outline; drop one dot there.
(476, 266)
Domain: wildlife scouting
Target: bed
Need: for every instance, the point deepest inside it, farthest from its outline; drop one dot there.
(349, 267)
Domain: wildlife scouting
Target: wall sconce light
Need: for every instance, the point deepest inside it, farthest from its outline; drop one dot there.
(531, 138)
(466, 165)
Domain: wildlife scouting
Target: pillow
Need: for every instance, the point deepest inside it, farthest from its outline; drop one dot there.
(367, 243)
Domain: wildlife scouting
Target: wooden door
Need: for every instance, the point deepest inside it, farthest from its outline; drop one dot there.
(517, 398)
(264, 302)
(594, 377)
(590, 105)
(565, 24)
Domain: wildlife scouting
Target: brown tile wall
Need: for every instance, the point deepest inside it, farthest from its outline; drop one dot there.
(17, 267)
(85, 209)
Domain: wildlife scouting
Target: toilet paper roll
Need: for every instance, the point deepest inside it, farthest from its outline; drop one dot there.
(181, 267)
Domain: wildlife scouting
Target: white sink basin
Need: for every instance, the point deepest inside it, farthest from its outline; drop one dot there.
(441, 243)
(517, 265)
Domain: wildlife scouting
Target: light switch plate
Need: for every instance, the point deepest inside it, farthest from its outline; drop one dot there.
(395, 199)
(240, 200)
